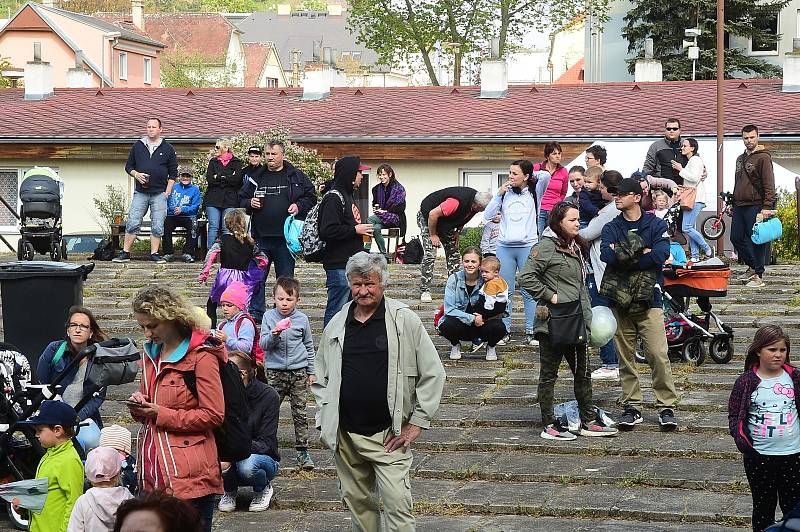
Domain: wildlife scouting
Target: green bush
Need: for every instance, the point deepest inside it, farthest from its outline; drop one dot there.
(471, 236)
(786, 246)
(113, 204)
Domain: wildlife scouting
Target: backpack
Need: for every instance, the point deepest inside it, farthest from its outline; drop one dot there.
(255, 351)
(313, 247)
(292, 229)
(232, 437)
(413, 252)
(104, 250)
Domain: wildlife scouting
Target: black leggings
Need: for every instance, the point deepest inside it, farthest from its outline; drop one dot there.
(772, 478)
(455, 330)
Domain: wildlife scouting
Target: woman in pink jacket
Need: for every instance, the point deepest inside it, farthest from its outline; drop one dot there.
(558, 185)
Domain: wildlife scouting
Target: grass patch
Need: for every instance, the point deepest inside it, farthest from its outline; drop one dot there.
(465, 474)
(794, 302)
(509, 363)
(641, 478)
(425, 507)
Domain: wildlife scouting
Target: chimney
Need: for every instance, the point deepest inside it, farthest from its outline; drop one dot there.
(137, 13)
(494, 74)
(78, 78)
(284, 9)
(791, 68)
(648, 69)
(334, 10)
(317, 85)
(38, 76)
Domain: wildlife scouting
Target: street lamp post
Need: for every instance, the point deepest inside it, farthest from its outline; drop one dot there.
(720, 108)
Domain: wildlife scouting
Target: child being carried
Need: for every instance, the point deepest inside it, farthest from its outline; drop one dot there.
(493, 294)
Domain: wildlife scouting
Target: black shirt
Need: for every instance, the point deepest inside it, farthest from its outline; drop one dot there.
(275, 188)
(363, 408)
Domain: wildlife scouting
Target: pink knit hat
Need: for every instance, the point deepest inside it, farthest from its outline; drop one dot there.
(102, 464)
(236, 294)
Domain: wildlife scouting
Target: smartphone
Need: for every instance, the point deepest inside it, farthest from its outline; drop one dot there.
(135, 404)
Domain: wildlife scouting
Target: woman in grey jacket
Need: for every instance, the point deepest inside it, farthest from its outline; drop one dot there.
(556, 273)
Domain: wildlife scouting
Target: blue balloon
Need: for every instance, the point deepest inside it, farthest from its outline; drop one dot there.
(89, 435)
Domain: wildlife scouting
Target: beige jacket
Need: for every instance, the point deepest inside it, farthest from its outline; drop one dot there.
(416, 374)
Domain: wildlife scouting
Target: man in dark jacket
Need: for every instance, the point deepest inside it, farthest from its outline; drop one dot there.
(271, 193)
(658, 161)
(153, 164)
(341, 229)
(636, 230)
(263, 405)
(753, 195)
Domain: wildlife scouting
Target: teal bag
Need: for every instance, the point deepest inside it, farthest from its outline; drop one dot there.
(291, 233)
(767, 231)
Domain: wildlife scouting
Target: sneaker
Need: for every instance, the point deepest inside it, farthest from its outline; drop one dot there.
(555, 431)
(747, 275)
(505, 340)
(304, 460)
(595, 429)
(261, 499)
(187, 258)
(228, 502)
(491, 353)
(530, 340)
(755, 282)
(606, 374)
(666, 418)
(169, 257)
(123, 256)
(477, 346)
(455, 352)
(630, 417)
(156, 258)
(425, 297)
(709, 254)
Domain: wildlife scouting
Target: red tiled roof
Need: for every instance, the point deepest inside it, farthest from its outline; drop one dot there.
(255, 56)
(587, 111)
(574, 74)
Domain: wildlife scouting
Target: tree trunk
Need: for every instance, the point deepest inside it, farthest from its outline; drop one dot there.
(457, 69)
(426, 58)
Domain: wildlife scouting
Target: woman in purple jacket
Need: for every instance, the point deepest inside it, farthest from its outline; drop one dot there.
(388, 205)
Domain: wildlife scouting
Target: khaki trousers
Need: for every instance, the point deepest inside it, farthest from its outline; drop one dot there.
(649, 326)
(366, 472)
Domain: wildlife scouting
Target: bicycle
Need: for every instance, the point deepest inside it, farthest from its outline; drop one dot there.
(714, 226)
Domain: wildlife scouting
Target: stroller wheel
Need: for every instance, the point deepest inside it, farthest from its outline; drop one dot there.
(28, 254)
(18, 519)
(694, 351)
(721, 350)
(55, 252)
(639, 353)
(20, 250)
(63, 250)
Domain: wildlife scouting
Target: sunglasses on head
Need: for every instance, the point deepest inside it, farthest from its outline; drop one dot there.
(672, 128)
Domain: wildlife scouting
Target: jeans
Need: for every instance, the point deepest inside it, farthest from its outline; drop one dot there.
(190, 224)
(141, 202)
(608, 353)
(376, 232)
(512, 260)
(338, 293)
(258, 471)
(216, 218)
(541, 223)
(754, 255)
(696, 240)
(275, 248)
(205, 505)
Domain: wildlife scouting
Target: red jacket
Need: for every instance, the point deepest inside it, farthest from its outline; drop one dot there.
(182, 437)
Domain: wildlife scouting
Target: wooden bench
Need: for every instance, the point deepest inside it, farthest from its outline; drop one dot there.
(118, 232)
(391, 234)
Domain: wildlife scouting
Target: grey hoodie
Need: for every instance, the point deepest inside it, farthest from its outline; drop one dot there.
(96, 510)
(292, 348)
(592, 233)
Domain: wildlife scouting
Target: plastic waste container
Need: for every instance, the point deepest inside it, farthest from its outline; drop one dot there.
(36, 297)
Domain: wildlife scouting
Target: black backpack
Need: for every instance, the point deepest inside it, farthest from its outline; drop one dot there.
(413, 253)
(104, 250)
(232, 437)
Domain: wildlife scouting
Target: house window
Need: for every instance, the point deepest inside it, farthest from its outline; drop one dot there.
(483, 180)
(769, 24)
(123, 65)
(148, 70)
(9, 188)
(271, 82)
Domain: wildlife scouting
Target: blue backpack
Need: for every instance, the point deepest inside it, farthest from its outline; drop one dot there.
(291, 232)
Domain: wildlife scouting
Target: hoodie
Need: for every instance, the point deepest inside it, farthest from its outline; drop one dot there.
(337, 221)
(263, 404)
(187, 197)
(96, 510)
(518, 223)
(755, 180)
(161, 165)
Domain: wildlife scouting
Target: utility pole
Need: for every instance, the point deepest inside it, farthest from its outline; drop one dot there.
(720, 109)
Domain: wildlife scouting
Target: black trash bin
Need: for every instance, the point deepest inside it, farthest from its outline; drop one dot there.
(36, 297)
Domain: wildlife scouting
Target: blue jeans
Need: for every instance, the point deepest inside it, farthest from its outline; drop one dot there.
(608, 353)
(141, 202)
(743, 220)
(541, 223)
(279, 256)
(511, 260)
(216, 218)
(258, 471)
(205, 505)
(338, 293)
(696, 240)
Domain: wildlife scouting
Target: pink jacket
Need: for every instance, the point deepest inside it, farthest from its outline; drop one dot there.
(556, 188)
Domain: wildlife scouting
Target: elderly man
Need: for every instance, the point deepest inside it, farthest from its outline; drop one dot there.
(442, 215)
(379, 382)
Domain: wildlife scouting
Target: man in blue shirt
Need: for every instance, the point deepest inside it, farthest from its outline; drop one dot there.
(182, 206)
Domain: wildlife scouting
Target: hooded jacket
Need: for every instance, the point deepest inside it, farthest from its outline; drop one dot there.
(63, 469)
(96, 510)
(161, 166)
(658, 161)
(181, 437)
(224, 183)
(518, 223)
(293, 348)
(263, 404)
(187, 197)
(755, 180)
(337, 222)
(301, 193)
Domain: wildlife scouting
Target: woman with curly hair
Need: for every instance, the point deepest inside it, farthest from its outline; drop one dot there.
(176, 448)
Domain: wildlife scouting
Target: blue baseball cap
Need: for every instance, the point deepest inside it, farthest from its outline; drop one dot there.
(54, 413)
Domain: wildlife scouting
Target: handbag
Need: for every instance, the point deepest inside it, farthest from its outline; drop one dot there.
(688, 197)
(767, 231)
(566, 326)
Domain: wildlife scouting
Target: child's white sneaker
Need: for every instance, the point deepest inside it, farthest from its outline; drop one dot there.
(455, 352)
(491, 353)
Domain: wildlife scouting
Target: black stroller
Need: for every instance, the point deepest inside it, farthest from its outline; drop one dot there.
(40, 215)
(116, 361)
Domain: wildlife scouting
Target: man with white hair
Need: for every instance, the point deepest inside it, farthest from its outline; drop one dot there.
(379, 383)
(442, 215)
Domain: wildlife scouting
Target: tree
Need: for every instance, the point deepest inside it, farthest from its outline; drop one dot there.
(180, 69)
(4, 64)
(664, 22)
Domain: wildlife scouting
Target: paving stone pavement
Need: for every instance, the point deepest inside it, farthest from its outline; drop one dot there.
(482, 466)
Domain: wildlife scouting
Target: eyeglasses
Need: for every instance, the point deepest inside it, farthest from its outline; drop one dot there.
(672, 128)
(618, 194)
(78, 326)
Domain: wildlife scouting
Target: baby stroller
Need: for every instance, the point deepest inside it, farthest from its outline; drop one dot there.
(116, 361)
(41, 192)
(689, 336)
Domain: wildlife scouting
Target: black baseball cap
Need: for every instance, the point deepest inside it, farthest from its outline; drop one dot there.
(254, 150)
(629, 185)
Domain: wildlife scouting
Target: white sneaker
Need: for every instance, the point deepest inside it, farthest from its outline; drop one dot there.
(425, 297)
(505, 340)
(455, 352)
(228, 501)
(491, 353)
(261, 500)
(610, 374)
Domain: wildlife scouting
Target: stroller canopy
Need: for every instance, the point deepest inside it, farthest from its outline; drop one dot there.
(40, 184)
